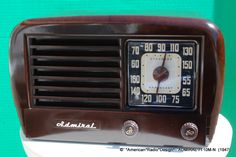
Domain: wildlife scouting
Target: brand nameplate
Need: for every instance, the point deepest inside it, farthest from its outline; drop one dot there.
(76, 124)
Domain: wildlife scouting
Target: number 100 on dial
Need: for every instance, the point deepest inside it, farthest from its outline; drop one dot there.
(162, 73)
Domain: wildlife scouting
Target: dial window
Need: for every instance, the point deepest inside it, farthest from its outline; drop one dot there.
(162, 73)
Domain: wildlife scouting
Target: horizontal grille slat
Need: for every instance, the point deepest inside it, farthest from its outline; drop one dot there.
(76, 99)
(73, 41)
(114, 59)
(73, 94)
(78, 89)
(75, 71)
(77, 63)
(65, 82)
(90, 69)
(78, 79)
(78, 48)
(65, 73)
(75, 53)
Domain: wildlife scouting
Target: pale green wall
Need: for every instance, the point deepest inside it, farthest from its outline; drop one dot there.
(13, 12)
(225, 18)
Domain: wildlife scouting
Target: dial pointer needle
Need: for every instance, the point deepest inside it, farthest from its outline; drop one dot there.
(160, 73)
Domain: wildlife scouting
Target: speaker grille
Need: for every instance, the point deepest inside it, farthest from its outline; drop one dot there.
(84, 72)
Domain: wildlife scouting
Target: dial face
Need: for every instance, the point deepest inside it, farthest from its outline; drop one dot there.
(162, 73)
(149, 62)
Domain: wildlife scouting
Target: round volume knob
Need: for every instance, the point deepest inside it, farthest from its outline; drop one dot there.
(189, 131)
(130, 128)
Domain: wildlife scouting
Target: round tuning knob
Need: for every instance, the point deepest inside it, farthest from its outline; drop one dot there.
(130, 128)
(189, 131)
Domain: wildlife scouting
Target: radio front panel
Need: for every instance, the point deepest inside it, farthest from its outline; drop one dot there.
(131, 80)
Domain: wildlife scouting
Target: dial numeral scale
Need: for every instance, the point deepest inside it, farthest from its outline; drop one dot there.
(161, 73)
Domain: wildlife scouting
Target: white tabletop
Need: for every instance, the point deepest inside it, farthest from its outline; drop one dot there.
(219, 146)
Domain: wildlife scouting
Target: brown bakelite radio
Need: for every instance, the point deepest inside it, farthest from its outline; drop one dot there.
(118, 79)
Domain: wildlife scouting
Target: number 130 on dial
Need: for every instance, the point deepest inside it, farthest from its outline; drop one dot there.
(162, 73)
